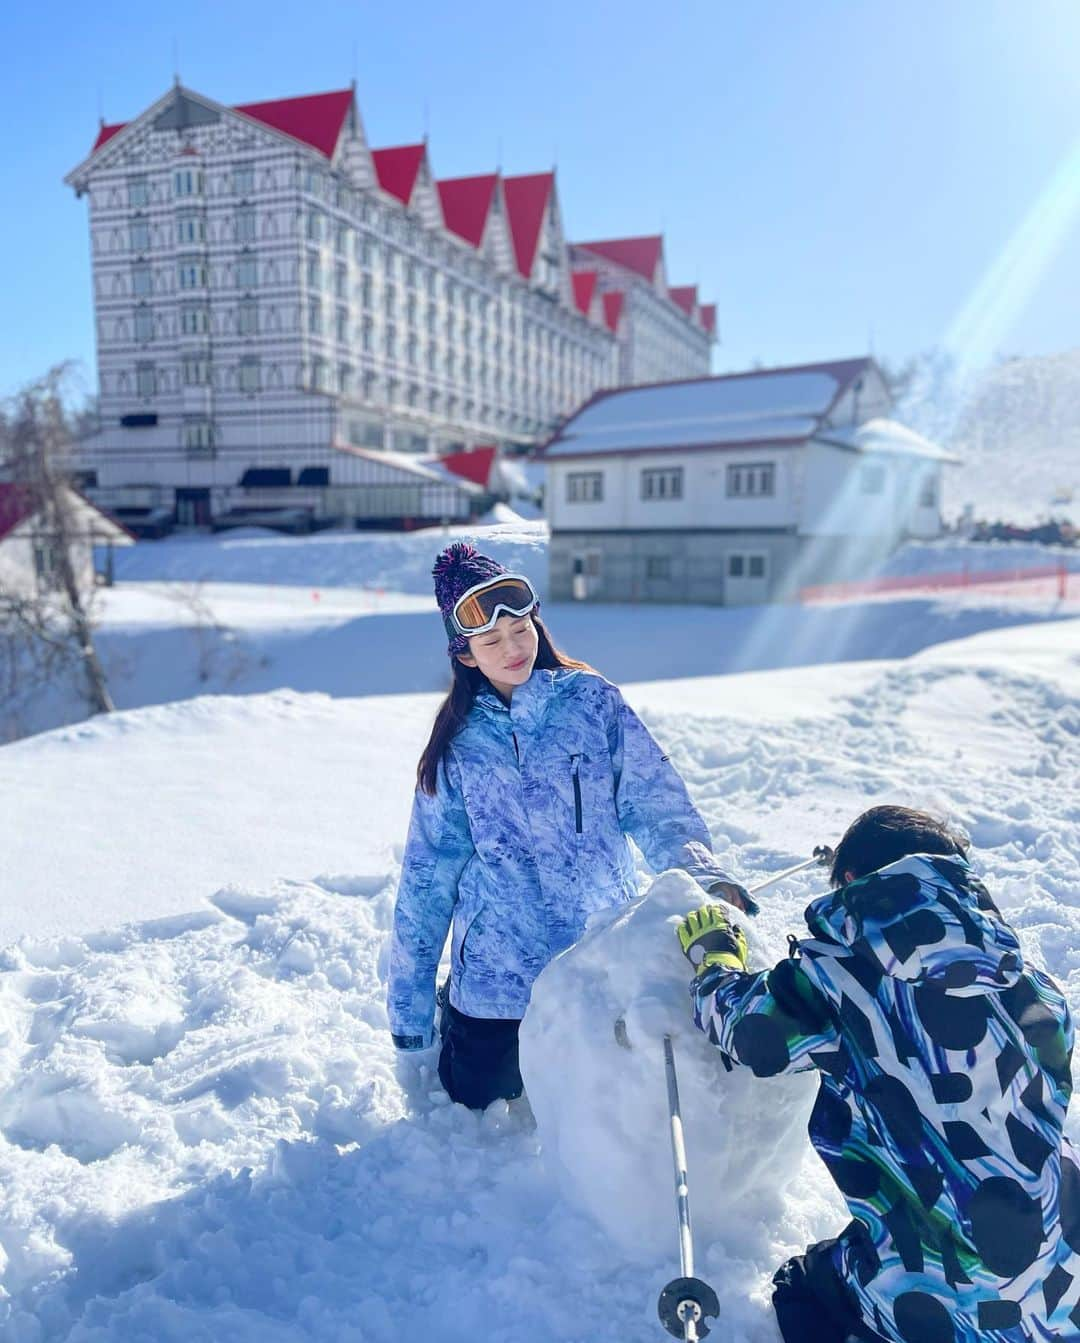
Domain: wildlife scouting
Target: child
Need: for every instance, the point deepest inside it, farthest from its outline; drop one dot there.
(535, 773)
(945, 1077)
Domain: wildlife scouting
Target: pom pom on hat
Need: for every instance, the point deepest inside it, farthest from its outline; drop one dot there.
(457, 569)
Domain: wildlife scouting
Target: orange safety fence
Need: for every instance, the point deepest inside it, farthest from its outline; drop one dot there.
(962, 578)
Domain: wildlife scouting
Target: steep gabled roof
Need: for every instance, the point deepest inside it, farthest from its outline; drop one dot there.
(398, 168)
(708, 317)
(685, 295)
(474, 464)
(315, 119)
(641, 255)
(106, 133)
(584, 282)
(613, 305)
(526, 199)
(15, 506)
(466, 203)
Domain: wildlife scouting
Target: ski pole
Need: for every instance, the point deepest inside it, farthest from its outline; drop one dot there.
(823, 855)
(685, 1302)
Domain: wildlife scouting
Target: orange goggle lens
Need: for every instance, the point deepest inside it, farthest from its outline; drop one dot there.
(478, 610)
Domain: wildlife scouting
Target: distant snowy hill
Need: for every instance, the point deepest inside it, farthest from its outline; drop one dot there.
(1017, 427)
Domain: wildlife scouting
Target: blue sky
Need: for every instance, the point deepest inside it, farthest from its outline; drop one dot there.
(836, 176)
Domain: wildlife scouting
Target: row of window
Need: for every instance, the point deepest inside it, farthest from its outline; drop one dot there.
(660, 568)
(666, 483)
(745, 480)
(196, 370)
(189, 181)
(738, 565)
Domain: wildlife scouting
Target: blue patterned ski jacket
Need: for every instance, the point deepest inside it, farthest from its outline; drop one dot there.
(945, 1078)
(525, 838)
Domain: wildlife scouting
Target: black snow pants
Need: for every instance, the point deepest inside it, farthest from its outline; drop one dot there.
(812, 1303)
(478, 1062)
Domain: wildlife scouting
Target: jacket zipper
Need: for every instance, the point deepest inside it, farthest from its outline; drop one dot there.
(575, 768)
(468, 934)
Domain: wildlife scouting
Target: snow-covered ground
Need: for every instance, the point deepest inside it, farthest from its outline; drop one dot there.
(204, 1133)
(352, 614)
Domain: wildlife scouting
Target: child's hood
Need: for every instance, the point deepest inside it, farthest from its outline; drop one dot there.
(923, 919)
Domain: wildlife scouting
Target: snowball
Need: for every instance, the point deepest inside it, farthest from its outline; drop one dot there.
(601, 1105)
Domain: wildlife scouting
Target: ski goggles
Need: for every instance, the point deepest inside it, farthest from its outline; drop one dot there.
(477, 610)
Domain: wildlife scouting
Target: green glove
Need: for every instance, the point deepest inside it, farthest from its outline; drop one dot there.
(708, 937)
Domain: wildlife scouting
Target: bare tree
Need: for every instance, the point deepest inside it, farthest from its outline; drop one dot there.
(51, 629)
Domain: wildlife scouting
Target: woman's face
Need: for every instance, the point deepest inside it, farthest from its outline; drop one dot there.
(506, 654)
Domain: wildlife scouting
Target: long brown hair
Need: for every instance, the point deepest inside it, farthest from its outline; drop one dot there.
(468, 682)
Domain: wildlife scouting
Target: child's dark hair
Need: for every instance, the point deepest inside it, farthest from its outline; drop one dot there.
(467, 684)
(884, 835)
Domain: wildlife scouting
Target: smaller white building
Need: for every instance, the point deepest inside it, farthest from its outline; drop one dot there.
(29, 565)
(736, 489)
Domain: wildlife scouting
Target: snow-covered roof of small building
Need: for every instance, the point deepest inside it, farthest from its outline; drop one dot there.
(17, 506)
(765, 405)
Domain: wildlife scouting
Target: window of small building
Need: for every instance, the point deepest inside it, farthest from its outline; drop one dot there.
(751, 480)
(584, 487)
(928, 492)
(658, 567)
(664, 482)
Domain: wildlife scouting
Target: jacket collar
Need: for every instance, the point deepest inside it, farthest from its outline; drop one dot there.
(529, 702)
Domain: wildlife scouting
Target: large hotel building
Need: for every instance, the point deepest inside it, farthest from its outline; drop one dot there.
(277, 304)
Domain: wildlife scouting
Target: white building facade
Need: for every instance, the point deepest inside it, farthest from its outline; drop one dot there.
(663, 332)
(737, 489)
(268, 291)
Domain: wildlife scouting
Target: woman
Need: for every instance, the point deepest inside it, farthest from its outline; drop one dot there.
(535, 774)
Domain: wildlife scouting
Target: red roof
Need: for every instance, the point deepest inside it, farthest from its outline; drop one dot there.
(466, 202)
(107, 132)
(474, 464)
(584, 282)
(708, 317)
(641, 255)
(397, 169)
(14, 506)
(613, 302)
(685, 295)
(316, 119)
(526, 200)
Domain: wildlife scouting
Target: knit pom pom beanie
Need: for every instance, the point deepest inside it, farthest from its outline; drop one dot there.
(459, 568)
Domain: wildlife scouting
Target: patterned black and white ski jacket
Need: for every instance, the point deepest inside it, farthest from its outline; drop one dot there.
(945, 1077)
